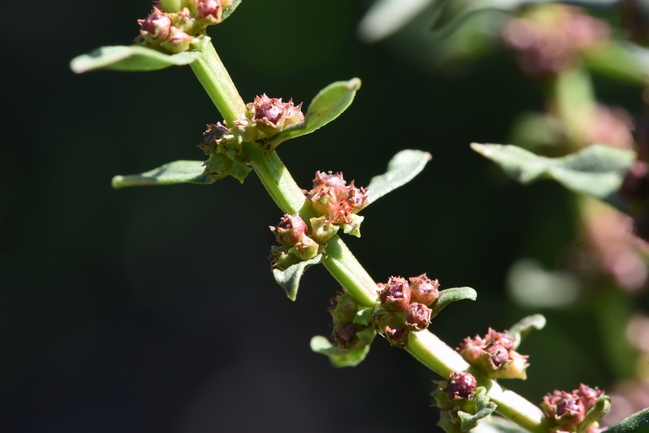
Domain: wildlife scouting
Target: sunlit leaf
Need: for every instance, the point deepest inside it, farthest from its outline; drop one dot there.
(524, 326)
(402, 168)
(130, 58)
(328, 104)
(289, 278)
(622, 60)
(447, 296)
(168, 174)
(596, 170)
(228, 10)
(386, 17)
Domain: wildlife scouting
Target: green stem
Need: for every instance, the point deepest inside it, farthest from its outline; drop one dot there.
(341, 263)
(219, 86)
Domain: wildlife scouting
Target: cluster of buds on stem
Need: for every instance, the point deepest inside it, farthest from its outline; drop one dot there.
(579, 410)
(179, 31)
(462, 402)
(405, 307)
(494, 355)
(550, 38)
(271, 115)
(338, 205)
(292, 233)
(352, 327)
(225, 153)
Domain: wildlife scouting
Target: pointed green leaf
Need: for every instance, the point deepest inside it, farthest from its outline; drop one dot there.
(636, 423)
(325, 107)
(622, 60)
(453, 295)
(168, 174)
(228, 10)
(520, 330)
(596, 170)
(289, 278)
(130, 58)
(402, 168)
(339, 357)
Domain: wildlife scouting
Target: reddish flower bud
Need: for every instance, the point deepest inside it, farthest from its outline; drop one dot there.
(290, 230)
(177, 42)
(494, 355)
(305, 249)
(272, 115)
(565, 409)
(417, 316)
(588, 396)
(397, 336)
(343, 308)
(333, 198)
(461, 386)
(156, 27)
(344, 335)
(395, 295)
(424, 290)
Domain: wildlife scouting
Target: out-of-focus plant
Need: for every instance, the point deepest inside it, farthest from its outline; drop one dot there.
(308, 234)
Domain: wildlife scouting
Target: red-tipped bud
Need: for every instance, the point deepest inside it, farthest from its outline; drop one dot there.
(156, 27)
(424, 290)
(305, 249)
(395, 295)
(177, 42)
(333, 198)
(397, 336)
(461, 386)
(290, 230)
(494, 355)
(588, 396)
(272, 115)
(417, 316)
(565, 409)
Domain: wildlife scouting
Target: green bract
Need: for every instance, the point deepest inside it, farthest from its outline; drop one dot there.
(130, 58)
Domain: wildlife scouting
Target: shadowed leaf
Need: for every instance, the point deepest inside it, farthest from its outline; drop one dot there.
(596, 170)
(169, 174)
(339, 357)
(130, 58)
(289, 278)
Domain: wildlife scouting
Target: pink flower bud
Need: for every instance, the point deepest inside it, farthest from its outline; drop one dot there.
(272, 115)
(156, 27)
(178, 41)
(417, 316)
(564, 409)
(424, 290)
(290, 230)
(395, 295)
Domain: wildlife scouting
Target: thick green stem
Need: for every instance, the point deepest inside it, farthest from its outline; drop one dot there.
(340, 262)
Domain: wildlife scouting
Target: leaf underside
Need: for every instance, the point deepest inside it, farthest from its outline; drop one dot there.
(596, 170)
(339, 357)
(168, 174)
(289, 278)
(130, 58)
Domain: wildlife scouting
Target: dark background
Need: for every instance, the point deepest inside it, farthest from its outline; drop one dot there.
(154, 309)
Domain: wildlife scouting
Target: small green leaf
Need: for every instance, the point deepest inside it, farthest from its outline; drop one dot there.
(339, 357)
(325, 107)
(402, 168)
(636, 423)
(625, 61)
(364, 316)
(601, 407)
(452, 295)
(289, 278)
(130, 58)
(483, 408)
(520, 330)
(168, 174)
(228, 10)
(596, 170)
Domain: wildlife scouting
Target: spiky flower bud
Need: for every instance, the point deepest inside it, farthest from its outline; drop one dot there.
(494, 355)
(305, 249)
(177, 42)
(339, 202)
(397, 336)
(424, 290)
(588, 395)
(395, 294)
(156, 26)
(566, 410)
(417, 316)
(272, 115)
(461, 386)
(322, 229)
(290, 230)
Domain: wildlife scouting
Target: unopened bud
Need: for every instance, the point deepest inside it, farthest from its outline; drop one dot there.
(177, 42)
(417, 316)
(424, 290)
(272, 115)
(290, 230)
(494, 355)
(564, 409)
(461, 386)
(156, 27)
(305, 249)
(397, 336)
(322, 229)
(395, 295)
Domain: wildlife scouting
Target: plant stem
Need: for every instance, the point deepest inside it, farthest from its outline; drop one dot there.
(339, 261)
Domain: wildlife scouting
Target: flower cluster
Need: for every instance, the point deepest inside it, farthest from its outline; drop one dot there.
(224, 153)
(337, 202)
(568, 410)
(351, 330)
(405, 307)
(548, 39)
(180, 31)
(494, 355)
(271, 115)
(292, 233)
